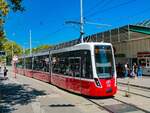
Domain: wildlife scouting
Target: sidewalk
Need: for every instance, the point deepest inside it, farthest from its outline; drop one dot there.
(23, 96)
(16, 97)
(143, 82)
(27, 95)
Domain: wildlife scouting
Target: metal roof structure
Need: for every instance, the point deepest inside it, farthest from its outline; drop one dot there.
(145, 23)
(115, 35)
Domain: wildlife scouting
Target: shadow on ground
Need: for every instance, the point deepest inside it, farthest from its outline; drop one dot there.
(12, 94)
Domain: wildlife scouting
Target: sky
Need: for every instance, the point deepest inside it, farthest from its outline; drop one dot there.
(47, 19)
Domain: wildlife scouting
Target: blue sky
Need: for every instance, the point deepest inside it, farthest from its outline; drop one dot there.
(46, 19)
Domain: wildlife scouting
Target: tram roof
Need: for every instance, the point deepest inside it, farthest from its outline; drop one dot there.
(80, 46)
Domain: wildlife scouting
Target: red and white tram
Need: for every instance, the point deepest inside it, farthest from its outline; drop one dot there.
(86, 68)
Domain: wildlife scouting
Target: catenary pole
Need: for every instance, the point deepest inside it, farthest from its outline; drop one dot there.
(30, 42)
(81, 21)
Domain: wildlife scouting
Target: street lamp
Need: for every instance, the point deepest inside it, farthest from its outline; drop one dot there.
(30, 42)
(12, 49)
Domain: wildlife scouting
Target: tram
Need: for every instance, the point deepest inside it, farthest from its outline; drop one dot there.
(86, 68)
(144, 60)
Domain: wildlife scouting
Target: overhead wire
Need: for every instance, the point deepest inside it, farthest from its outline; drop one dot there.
(138, 16)
(103, 10)
(103, 5)
(97, 4)
(62, 26)
(113, 7)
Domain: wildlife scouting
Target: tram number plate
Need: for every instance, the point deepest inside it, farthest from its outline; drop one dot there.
(109, 90)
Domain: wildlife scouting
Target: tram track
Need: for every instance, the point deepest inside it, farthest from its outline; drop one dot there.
(105, 108)
(134, 93)
(114, 105)
(133, 106)
(143, 92)
(137, 86)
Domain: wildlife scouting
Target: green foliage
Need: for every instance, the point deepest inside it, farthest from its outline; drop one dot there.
(2, 59)
(11, 49)
(2, 41)
(38, 49)
(41, 48)
(5, 7)
(27, 51)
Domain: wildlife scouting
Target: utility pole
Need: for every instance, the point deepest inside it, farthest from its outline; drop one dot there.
(81, 21)
(129, 37)
(12, 49)
(30, 43)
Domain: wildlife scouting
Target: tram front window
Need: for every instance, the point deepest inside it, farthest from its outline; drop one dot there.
(104, 61)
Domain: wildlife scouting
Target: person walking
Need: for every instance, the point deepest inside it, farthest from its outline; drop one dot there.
(5, 72)
(134, 70)
(139, 71)
(126, 69)
(0, 68)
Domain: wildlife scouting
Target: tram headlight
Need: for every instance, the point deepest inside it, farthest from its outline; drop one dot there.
(97, 82)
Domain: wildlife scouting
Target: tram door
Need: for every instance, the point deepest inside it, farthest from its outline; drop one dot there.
(75, 67)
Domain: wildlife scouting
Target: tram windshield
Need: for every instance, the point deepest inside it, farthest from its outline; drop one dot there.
(104, 61)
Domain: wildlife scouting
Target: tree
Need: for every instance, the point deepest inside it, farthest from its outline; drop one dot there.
(2, 41)
(5, 7)
(11, 49)
(38, 49)
(41, 48)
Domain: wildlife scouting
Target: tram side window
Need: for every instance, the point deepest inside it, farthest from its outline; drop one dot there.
(55, 64)
(28, 62)
(66, 64)
(20, 63)
(41, 63)
(86, 65)
(75, 67)
(71, 63)
(63, 65)
(60, 64)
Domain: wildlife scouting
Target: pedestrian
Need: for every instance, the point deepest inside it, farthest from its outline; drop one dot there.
(5, 72)
(119, 70)
(134, 70)
(139, 71)
(0, 68)
(126, 69)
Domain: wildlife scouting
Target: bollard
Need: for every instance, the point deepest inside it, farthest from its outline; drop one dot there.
(15, 73)
(128, 90)
(15, 70)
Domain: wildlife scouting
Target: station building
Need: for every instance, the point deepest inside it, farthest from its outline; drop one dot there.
(128, 41)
